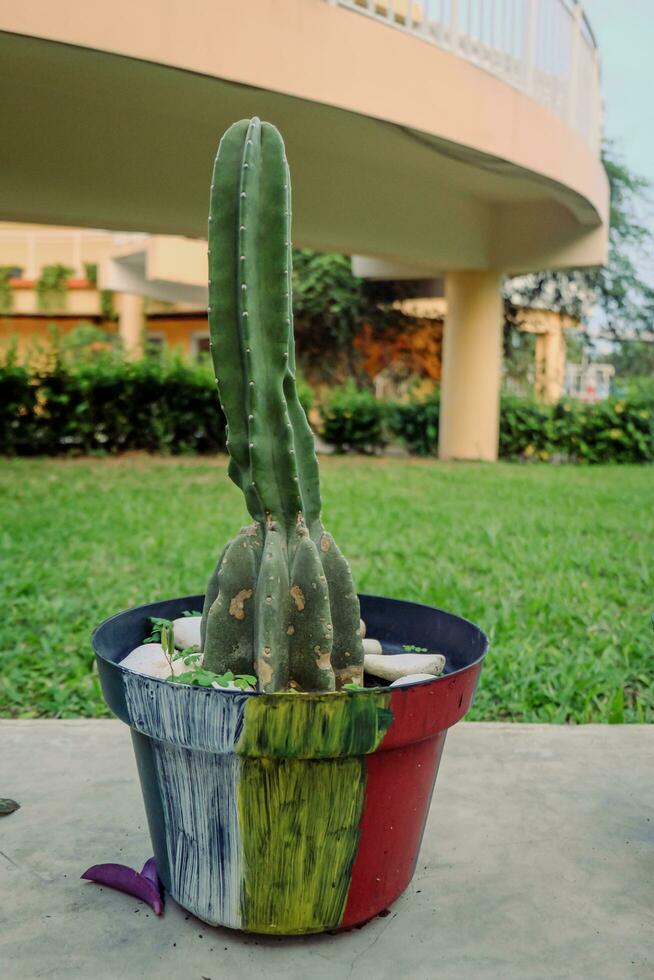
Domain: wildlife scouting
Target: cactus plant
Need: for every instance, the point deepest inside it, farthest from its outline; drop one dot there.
(281, 602)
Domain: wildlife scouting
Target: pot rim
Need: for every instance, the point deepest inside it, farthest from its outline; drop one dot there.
(317, 695)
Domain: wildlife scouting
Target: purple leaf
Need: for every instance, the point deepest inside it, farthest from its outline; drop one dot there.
(125, 879)
(149, 871)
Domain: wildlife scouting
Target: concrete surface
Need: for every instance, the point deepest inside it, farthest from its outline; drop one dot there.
(537, 864)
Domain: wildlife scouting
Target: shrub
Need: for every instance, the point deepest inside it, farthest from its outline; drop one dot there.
(109, 405)
(526, 429)
(17, 410)
(352, 419)
(617, 430)
(304, 392)
(416, 424)
(102, 404)
(52, 286)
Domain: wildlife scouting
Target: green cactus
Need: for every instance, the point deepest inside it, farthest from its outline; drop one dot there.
(281, 602)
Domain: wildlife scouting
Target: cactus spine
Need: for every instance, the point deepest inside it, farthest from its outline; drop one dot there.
(281, 601)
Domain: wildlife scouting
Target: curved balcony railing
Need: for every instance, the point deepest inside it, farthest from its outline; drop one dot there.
(544, 48)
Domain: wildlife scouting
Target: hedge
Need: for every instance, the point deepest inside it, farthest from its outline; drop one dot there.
(109, 406)
(352, 419)
(415, 423)
(620, 430)
(169, 406)
(104, 404)
(615, 431)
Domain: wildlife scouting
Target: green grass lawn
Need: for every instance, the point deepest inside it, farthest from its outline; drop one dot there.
(554, 562)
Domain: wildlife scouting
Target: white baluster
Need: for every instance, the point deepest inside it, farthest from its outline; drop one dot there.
(530, 45)
(454, 25)
(573, 83)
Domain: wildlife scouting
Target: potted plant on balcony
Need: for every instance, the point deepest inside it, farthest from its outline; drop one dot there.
(299, 806)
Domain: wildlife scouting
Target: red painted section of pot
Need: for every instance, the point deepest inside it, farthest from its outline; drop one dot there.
(400, 782)
(398, 791)
(424, 710)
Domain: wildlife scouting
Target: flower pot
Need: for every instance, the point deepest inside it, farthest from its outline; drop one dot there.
(290, 813)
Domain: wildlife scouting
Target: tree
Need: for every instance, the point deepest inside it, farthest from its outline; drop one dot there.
(331, 306)
(619, 291)
(633, 358)
(328, 305)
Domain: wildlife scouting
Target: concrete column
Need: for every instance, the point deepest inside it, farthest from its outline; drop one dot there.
(131, 324)
(550, 364)
(472, 366)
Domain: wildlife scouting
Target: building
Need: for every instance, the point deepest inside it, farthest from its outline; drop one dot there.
(432, 139)
(70, 261)
(589, 381)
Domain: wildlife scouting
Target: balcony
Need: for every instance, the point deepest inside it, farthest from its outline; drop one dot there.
(453, 138)
(543, 48)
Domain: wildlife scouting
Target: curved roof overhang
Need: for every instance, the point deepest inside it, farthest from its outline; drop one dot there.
(398, 149)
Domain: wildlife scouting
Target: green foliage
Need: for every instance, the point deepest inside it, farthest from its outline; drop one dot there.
(527, 429)
(200, 677)
(620, 430)
(107, 309)
(352, 419)
(7, 272)
(415, 423)
(158, 625)
(331, 305)
(518, 355)
(305, 392)
(620, 290)
(91, 272)
(553, 561)
(108, 406)
(82, 341)
(616, 431)
(637, 388)
(18, 402)
(634, 359)
(52, 285)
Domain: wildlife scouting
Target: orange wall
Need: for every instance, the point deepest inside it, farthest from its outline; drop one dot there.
(30, 332)
(33, 332)
(178, 331)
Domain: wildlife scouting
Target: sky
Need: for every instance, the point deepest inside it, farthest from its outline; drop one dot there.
(625, 36)
(624, 30)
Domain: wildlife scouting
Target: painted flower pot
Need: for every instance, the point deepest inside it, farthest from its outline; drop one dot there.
(290, 813)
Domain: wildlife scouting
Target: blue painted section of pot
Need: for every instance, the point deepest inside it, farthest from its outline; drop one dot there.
(203, 840)
(187, 716)
(193, 738)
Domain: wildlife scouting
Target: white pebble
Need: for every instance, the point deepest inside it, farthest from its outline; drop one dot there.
(372, 647)
(187, 632)
(411, 679)
(149, 659)
(394, 666)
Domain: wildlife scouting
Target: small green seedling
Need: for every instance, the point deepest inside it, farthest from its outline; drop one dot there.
(157, 624)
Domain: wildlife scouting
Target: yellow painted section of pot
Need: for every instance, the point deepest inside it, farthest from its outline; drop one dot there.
(310, 726)
(300, 799)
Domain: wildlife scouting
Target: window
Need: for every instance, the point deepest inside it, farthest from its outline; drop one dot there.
(155, 342)
(200, 345)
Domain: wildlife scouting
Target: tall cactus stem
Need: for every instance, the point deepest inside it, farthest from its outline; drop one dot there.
(279, 602)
